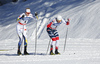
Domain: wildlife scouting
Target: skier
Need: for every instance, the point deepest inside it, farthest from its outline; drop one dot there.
(53, 34)
(21, 29)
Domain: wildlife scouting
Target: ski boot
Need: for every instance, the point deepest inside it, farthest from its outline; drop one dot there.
(51, 50)
(19, 53)
(56, 52)
(25, 51)
(51, 53)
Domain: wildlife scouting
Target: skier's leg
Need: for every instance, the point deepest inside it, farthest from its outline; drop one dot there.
(57, 45)
(19, 32)
(57, 39)
(19, 43)
(57, 42)
(52, 36)
(52, 44)
(25, 42)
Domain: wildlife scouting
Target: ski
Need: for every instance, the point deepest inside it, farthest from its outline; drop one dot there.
(6, 49)
(31, 54)
(56, 54)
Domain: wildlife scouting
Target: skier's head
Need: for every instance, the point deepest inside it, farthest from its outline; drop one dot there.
(27, 11)
(59, 18)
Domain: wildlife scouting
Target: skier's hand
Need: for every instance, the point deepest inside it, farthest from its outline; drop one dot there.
(18, 19)
(36, 13)
(68, 21)
(22, 16)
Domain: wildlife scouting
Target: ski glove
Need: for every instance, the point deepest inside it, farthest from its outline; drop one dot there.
(67, 23)
(18, 19)
(36, 13)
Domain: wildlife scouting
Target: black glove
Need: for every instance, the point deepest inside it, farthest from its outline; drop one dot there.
(36, 13)
(22, 16)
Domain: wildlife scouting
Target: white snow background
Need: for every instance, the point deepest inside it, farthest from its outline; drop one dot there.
(83, 38)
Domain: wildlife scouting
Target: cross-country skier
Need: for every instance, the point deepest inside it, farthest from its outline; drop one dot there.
(53, 34)
(22, 31)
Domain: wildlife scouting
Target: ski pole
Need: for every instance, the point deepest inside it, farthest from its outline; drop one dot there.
(65, 39)
(36, 14)
(66, 35)
(48, 46)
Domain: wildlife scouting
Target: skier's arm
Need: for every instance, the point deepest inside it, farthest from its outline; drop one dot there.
(49, 25)
(33, 17)
(51, 22)
(66, 22)
(20, 17)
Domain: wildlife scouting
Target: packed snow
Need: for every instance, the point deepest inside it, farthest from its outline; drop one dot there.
(83, 38)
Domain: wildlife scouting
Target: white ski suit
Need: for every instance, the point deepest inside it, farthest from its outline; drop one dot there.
(21, 28)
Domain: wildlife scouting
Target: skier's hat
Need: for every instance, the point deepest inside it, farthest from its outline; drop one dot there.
(28, 10)
(59, 17)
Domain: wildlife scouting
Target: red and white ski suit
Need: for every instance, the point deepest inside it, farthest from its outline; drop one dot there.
(52, 32)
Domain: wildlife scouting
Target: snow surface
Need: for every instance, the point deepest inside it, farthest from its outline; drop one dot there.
(83, 42)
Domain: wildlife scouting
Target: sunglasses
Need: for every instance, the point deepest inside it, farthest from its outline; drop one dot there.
(28, 12)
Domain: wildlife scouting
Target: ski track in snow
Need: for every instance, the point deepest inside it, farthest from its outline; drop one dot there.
(77, 50)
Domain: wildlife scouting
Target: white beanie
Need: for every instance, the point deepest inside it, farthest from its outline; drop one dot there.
(28, 10)
(59, 17)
